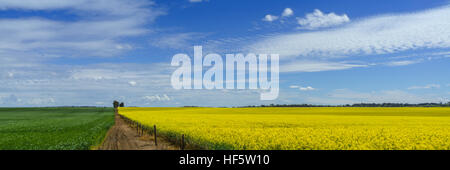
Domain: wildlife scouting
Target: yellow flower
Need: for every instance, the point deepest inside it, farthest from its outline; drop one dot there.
(336, 128)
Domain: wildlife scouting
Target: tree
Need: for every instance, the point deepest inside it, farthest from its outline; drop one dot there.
(122, 104)
(116, 104)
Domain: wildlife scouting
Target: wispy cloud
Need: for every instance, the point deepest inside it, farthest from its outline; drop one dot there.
(177, 40)
(197, 1)
(385, 34)
(100, 84)
(429, 86)
(54, 85)
(403, 63)
(316, 66)
(346, 96)
(309, 88)
(98, 30)
(157, 98)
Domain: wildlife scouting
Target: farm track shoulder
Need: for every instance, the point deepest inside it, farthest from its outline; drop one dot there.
(123, 137)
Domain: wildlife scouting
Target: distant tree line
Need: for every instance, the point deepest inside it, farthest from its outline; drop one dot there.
(361, 105)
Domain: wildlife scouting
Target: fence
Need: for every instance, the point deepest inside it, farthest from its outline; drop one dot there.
(143, 129)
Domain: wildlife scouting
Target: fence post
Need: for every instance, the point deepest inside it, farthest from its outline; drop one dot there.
(154, 130)
(137, 128)
(182, 142)
(140, 129)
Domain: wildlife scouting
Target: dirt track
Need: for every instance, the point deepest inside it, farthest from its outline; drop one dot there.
(123, 137)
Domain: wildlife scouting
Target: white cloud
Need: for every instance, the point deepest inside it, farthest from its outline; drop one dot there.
(294, 87)
(429, 86)
(102, 74)
(177, 41)
(100, 103)
(402, 63)
(287, 12)
(39, 5)
(98, 30)
(10, 99)
(13, 100)
(346, 96)
(55, 85)
(328, 101)
(94, 74)
(124, 71)
(195, 1)
(316, 66)
(270, 18)
(385, 34)
(318, 19)
(10, 74)
(157, 98)
(309, 88)
(85, 85)
(99, 8)
(349, 94)
(41, 101)
(132, 83)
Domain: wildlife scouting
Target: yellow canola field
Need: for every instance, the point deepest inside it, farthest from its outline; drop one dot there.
(333, 128)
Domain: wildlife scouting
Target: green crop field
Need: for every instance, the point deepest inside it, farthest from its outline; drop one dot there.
(53, 128)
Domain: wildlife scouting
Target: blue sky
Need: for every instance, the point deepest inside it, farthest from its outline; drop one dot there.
(91, 52)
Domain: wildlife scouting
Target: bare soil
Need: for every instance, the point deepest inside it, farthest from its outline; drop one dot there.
(125, 137)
